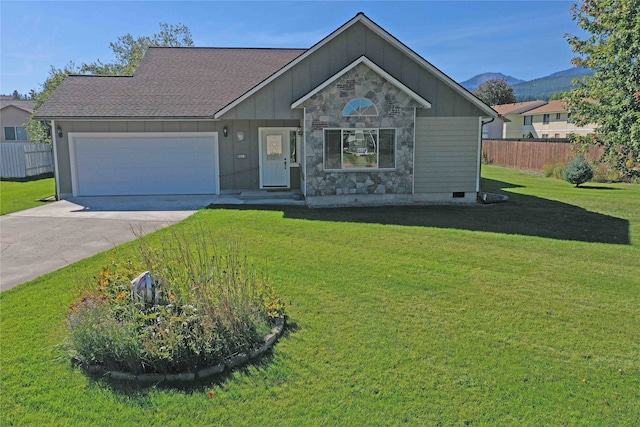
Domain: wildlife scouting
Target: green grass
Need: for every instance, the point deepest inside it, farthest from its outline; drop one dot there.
(522, 313)
(20, 195)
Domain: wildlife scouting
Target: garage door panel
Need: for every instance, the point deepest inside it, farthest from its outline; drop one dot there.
(145, 165)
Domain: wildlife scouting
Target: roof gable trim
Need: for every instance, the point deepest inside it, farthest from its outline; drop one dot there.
(25, 109)
(366, 61)
(361, 17)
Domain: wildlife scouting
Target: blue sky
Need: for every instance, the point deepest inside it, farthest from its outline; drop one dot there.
(523, 39)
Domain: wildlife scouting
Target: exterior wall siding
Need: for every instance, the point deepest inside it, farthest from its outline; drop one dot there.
(239, 160)
(446, 155)
(517, 129)
(324, 110)
(271, 102)
(12, 116)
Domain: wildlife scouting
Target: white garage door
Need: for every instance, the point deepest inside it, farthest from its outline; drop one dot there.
(144, 164)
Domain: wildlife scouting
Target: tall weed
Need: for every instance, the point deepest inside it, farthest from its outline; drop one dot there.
(211, 303)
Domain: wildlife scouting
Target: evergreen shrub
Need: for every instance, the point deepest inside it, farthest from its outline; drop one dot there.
(578, 171)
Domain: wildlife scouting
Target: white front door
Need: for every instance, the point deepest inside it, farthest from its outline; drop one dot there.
(274, 157)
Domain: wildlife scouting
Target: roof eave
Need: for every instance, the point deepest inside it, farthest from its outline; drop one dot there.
(123, 118)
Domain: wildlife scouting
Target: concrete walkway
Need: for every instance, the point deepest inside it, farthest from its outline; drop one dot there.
(43, 239)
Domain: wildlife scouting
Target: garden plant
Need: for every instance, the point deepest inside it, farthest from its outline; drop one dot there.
(578, 171)
(205, 303)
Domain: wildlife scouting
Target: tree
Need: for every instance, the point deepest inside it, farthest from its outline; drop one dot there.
(611, 97)
(17, 95)
(496, 92)
(37, 130)
(558, 96)
(128, 52)
(578, 171)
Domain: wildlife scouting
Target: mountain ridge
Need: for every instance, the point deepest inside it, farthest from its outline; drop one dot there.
(541, 88)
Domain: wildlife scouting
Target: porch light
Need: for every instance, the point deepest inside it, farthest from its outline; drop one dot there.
(225, 131)
(59, 131)
(299, 130)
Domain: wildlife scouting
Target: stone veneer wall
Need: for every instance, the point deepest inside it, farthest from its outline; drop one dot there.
(324, 110)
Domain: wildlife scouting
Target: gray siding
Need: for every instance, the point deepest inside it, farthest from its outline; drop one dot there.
(12, 116)
(446, 158)
(235, 172)
(274, 100)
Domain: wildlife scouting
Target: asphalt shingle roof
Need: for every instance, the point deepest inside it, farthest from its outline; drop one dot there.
(557, 106)
(169, 83)
(518, 107)
(23, 104)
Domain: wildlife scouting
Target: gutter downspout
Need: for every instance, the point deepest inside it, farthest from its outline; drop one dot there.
(482, 123)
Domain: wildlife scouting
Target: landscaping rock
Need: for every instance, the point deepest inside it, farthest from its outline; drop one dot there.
(181, 377)
(236, 360)
(207, 372)
(151, 378)
(279, 326)
(126, 376)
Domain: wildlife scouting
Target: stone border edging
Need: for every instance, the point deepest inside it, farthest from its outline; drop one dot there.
(203, 373)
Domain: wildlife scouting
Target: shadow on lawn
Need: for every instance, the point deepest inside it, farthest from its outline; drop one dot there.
(524, 215)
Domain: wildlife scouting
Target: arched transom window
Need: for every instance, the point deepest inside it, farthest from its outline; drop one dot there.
(360, 107)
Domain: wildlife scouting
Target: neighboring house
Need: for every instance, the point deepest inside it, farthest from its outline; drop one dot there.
(541, 119)
(510, 124)
(553, 121)
(14, 113)
(359, 118)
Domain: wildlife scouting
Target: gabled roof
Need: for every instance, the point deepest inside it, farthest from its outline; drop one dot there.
(171, 82)
(518, 107)
(362, 18)
(22, 104)
(366, 61)
(557, 106)
(200, 83)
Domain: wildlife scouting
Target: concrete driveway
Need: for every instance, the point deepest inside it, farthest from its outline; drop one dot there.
(43, 239)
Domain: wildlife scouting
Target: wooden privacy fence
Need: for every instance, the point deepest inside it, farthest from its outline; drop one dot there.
(531, 155)
(24, 159)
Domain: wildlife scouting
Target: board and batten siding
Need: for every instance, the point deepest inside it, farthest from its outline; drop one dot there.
(446, 156)
(274, 100)
(239, 160)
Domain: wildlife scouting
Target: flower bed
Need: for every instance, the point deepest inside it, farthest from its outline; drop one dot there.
(202, 373)
(198, 309)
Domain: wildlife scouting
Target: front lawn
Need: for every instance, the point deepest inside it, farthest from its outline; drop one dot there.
(18, 195)
(522, 313)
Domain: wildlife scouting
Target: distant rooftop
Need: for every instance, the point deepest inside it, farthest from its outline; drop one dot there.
(557, 106)
(518, 107)
(23, 104)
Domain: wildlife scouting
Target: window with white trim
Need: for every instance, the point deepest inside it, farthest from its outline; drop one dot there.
(350, 149)
(558, 116)
(15, 133)
(527, 120)
(545, 119)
